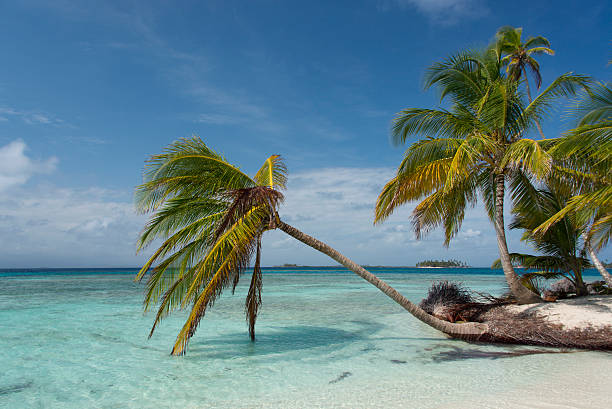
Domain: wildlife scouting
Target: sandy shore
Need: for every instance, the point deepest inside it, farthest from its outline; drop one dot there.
(592, 311)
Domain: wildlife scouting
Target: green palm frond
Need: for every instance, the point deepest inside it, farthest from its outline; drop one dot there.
(566, 85)
(273, 173)
(523, 190)
(446, 208)
(585, 206)
(528, 156)
(209, 216)
(545, 263)
(468, 159)
(432, 123)
(595, 105)
(187, 167)
(459, 77)
(423, 170)
(239, 235)
(601, 231)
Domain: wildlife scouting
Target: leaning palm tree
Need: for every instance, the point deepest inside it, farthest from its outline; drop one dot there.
(476, 146)
(586, 155)
(211, 217)
(561, 244)
(518, 57)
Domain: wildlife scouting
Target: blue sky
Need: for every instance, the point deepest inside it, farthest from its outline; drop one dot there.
(89, 89)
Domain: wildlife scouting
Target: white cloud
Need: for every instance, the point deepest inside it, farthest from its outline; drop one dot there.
(49, 226)
(441, 11)
(469, 233)
(336, 205)
(16, 168)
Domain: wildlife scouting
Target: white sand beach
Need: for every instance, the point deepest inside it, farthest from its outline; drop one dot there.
(592, 311)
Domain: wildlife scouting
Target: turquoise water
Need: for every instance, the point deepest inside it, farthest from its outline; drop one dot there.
(324, 339)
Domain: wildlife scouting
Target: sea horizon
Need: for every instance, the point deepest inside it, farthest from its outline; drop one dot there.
(7, 272)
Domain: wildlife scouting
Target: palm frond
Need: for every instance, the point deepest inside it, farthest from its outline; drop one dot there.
(240, 235)
(564, 86)
(273, 173)
(431, 123)
(528, 156)
(187, 167)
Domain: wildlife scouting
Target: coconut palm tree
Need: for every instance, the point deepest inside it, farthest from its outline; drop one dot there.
(585, 153)
(211, 217)
(561, 244)
(518, 57)
(476, 146)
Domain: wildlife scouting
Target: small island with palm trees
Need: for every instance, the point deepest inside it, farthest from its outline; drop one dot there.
(441, 264)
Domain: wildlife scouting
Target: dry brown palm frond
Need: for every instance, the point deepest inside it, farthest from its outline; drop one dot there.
(244, 200)
(253, 299)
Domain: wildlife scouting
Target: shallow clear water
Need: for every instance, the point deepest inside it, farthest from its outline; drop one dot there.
(326, 340)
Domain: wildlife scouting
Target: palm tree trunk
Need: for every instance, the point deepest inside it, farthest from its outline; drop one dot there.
(522, 294)
(530, 100)
(469, 331)
(598, 265)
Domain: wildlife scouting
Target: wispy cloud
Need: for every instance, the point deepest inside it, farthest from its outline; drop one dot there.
(445, 12)
(30, 117)
(16, 168)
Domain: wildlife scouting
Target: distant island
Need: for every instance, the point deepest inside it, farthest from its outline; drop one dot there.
(441, 263)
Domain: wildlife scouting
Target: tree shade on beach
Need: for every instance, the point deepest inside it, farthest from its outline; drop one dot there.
(211, 217)
(478, 146)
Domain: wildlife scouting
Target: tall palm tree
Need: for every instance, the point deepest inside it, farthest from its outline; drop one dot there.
(585, 153)
(519, 57)
(561, 244)
(211, 217)
(476, 146)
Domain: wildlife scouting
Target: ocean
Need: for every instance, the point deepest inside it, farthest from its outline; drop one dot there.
(325, 338)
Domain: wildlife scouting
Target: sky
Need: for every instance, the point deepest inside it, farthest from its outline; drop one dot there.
(90, 89)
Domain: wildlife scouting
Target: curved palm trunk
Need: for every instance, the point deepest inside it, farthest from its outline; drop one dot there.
(522, 294)
(598, 265)
(470, 331)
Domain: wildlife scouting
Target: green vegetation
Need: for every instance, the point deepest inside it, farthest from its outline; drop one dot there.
(478, 146)
(211, 216)
(519, 57)
(441, 263)
(584, 155)
(560, 244)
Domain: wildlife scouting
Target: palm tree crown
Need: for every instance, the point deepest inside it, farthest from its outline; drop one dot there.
(561, 244)
(519, 56)
(476, 146)
(211, 217)
(585, 155)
